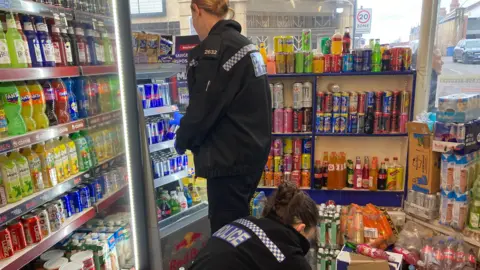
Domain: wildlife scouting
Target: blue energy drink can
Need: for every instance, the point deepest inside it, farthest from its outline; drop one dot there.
(148, 94)
(327, 123)
(149, 133)
(337, 102)
(336, 123)
(91, 191)
(172, 165)
(343, 122)
(141, 90)
(179, 161)
(67, 207)
(185, 161)
(100, 186)
(307, 146)
(352, 123)
(84, 196)
(155, 95)
(345, 101)
(75, 204)
(387, 102)
(370, 99)
(165, 167)
(367, 60)
(347, 63)
(319, 122)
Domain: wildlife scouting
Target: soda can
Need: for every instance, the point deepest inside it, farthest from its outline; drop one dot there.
(84, 197)
(148, 94)
(281, 63)
(305, 182)
(370, 99)
(269, 164)
(31, 226)
(337, 102)
(277, 163)
(278, 123)
(75, 203)
(277, 147)
(320, 101)
(307, 146)
(358, 60)
(420, 199)
(347, 63)
(287, 162)
(296, 177)
(54, 216)
(328, 102)
(165, 166)
(307, 39)
(42, 215)
(17, 234)
(307, 120)
(149, 132)
(396, 59)
(377, 123)
(325, 45)
(353, 103)
(396, 102)
(141, 90)
(343, 122)
(269, 179)
(297, 162)
(7, 246)
(328, 63)
(59, 203)
(297, 95)
(299, 62)
(287, 146)
(379, 101)
(344, 107)
(67, 207)
(367, 60)
(307, 91)
(308, 61)
(386, 123)
(405, 102)
(395, 127)
(336, 63)
(98, 188)
(287, 176)
(271, 91)
(336, 123)
(352, 123)
(319, 122)
(277, 178)
(306, 161)
(327, 123)
(278, 45)
(92, 191)
(407, 58)
(361, 102)
(430, 202)
(278, 95)
(179, 163)
(288, 46)
(297, 120)
(297, 146)
(172, 162)
(185, 161)
(288, 120)
(387, 102)
(361, 123)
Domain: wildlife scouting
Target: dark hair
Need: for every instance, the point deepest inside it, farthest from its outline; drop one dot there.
(219, 8)
(292, 205)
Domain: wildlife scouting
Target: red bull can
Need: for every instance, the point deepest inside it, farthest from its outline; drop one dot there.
(179, 162)
(327, 123)
(328, 63)
(367, 60)
(336, 123)
(377, 123)
(352, 124)
(347, 63)
(320, 102)
(378, 101)
(67, 207)
(361, 102)
(361, 123)
(307, 146)
(75, 203)
(353, 103)
(328, 102)
(344, 107)
(185, 161)
(337, 102)
(319, 122)
(287, 163)
(358, 60)
(387, 102)
(84, 196)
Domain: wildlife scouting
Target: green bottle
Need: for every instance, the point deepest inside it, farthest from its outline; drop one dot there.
(15, 43)
(4, 55)
(474, 215)
(83, 152)
(114, 91)
(107, 45)
(23, 172)
(174, 205)
(93, 154)
(12, 106)
(377, 57)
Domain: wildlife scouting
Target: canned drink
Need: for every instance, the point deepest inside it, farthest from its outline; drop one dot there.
(347, 63)
(297, 120)
(296, 177)
(353, 103)
(185, 161)
(288, 46)
(420, 199)
(178, 161)
(75, 204)
(269, 179)
(307, 146)
(308, 62)
(101, 186)
(307, 39)
(386, 123)
(277, 164)
(387, 102)
(17, 234)
(361, 102)
(31, 225)
(307, 120)
(306, 161)
(156, 95)
(278, 45)
(288, 120)
(67, 207)
(141, 90)
(42, 215)
(7, 246)
(352, 125)
(320, 101)
(281, 63)
(269, 164)
(84, 197)
(287, 176)
(325, 44)
(379, 101)
(370, 99)
(278, 120)
(54, 216)
(396, 59)
(377, 123)
(395, 127)
(297, 91)
(328, 63)
(396, 102)
(405, 102)
(297, 162)
(299, 62)
(278, 95)
(93, 193)
(344, 108)
(337, 102)
(271, 91)
(343, 122)
(59, 203)
(278, 147)
(358, 60)
(277, 178)
(172, 162)
(411, 196)
(361, 123)
(319, 122)
(407, 58)
(287, 146)
(328, 102)
(327, 123)
(336, 123)
(307, 90)
(305, 183)
(297, 146)
(149, 132)
(430, 201)
(367, 60)
(336, 63)
(287, 163)
(165, 166)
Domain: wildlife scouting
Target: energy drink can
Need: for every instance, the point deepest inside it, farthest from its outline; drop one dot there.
(395, 122)
(386, 123)
(377, 123)
(343, 122)
(361, 123)
(328, 102)
(149, 132)
(93, 191)
(299, 62)
(278, 44)
(325, 44)
(370, 99)
(307, 146)
(297, 120)
(352, 123)
(308, 62)
(337, 102)
(297, 91)
(297, 146)
(307, 39)
(165, 165)
(287, 162)
(407, 58)
(367, 60)
(387, 102)
(185, 161)
(178, 163)
(296, 177)
(287, 146)
(307, 120)
(307, 89)
(155, 95)
(269, 179)
(396, 102)
(277, 147)
(278, 95)
(344, 107)
(358, 60)
(327, 123)
(306, 161)
(288, 44)
(328, 63)
(84, 197)
(297, 162)
(277, 178)
(305, 182)
(379, 101)
(141, 90)
(67, 207)
(269, 164)
(319, 122)
(353, 103)
(277, 164)
(336, 63)
(172, 164)
(361, 102)
(75, 203)
(336, 123)
(405, 102)
(347, 63)
(320, 101)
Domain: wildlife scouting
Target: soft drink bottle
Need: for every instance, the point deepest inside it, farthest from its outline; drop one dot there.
(99, 49)
(188, 196)
(4, 54)
(61, 101)
(81, 96)
(373, 175)
(72, 99)
(357, 174)
(460, 256)
(47, 160)
(91, 146)
(346, 40)
(27, 106)
(175, 206)
(95, 100)
(24, 38)
(449, 253)
(104, 95)
(3, 122)
(337, 43)
(365, 174)
(15, 43)
(23, 172)
(107, 45)
(83, 51)
(49, 94)
(35, 167)
(83, 152)
(382, 177)
(426, 253)
(438, 256)
(376, 57)
(332, 179)
(46, 46)
(73, 44)
(114, 91)
(12, 106)
(38, 101)
(33, 43)
(58, 44)
(67, 44)
(90, 34)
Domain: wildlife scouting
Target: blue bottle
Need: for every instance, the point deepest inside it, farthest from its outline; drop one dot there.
(90, 34)
(72, 100)
(82, 100)
(46, 45)
(33, 43)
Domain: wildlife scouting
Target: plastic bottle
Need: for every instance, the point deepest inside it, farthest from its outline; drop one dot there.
(332, 179)
(460, 256)
(47, 159)
(25, 42)
(99, 144)
(337, 43)
(346, 40)
(83, 52)
(99, 48)
(318, 174)
(449, 253)
(11, 181)
(73, 44)
(426, 253)
(104, 95)
(67, 43)
(49, 94)
(81, 97)
(187, 196)
(4, 53)
(114, 91)
(58, 164)
(64, 155)
(15, 43)
(27, 106)
(196, 199)
(376, 57)
(382, 177)
(38, 104)
(58, 44)
(165, 209)
(107, 45)
(174, 204)
(373, 175)
(23, 172)
(46, 46)
(399, 175)
(391, 175)
(357, 174)
(35, 167)
(12, 106)
(90, 34)
(325, 169)
(61, 101)
(72, 154)
(91, 146)
(365, 174)
(32, 41)
(83, 152)
(341, 170)
(182, 200)
(72, 99)
(263, 52)
(90, 92)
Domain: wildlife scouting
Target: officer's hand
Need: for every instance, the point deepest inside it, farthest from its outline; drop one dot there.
(179, 151)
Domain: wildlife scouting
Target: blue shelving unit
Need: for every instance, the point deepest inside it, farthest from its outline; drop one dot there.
(362, 73)
(359, 135)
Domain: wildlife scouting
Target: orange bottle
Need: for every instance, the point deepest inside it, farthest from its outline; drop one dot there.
(373, 175)
(342, 172)
(332, 175)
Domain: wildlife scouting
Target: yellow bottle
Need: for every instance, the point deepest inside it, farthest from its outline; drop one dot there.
(263, 52)
(72, 154)
(58, 159)
(115, 141)
(38, 101)
(47, 159)
(23, 172)
(11, 181)
(64, 156)
(35, 166)
(108, 143)
(391, 175)
(99, 144)
(27, 106)
(119, 129)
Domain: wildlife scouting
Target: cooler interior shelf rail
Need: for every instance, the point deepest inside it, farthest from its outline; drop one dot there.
(41, 73)
(161, 146)
(160, 110)
(366, 73)
(170, 178)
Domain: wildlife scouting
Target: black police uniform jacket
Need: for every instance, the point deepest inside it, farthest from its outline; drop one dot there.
(228, 122)
(254, 244)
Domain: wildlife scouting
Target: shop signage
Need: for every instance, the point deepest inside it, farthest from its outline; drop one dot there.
(183, 44)
(363, 21)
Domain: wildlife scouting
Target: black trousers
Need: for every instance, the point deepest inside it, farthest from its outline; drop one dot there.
(229, 198)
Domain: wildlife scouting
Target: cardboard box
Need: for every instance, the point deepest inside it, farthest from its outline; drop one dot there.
(347, 260)
(423, 163)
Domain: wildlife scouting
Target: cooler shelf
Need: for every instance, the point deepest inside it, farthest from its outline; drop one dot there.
(160, 110)
(98, 70)
(360, 135)
(161, 146)
(170, 178)
(361, 73)
(40, 73)
(295, 134)
(103, 118)
(106, 202)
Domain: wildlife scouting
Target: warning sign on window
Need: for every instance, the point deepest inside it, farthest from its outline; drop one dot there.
(363, 21)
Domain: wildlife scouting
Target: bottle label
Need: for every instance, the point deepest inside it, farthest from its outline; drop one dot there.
(49, 94)
(79, 31)
(4, 57)
(90, 33)
(3, 121)
(61, 95)
(12, 98)
(68, 52)
(331, 167)
(58, 57)
(20, 51)
(37, 50)
(41, 27)
(11, 23)
(26, 99)
(99, 52)
(48, 50)
(37, 97)
(81, 52)
(28, 26)
(27, 52)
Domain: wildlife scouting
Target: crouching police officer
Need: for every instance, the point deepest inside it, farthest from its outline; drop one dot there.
(227, 124)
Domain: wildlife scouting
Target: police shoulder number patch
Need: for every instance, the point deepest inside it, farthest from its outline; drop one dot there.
(258, 64)
(232, 235)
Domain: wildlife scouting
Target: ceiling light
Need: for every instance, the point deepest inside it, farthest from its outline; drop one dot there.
(339, 10)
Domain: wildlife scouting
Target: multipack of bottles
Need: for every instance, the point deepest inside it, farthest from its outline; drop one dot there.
(335, 171)
(177, 201)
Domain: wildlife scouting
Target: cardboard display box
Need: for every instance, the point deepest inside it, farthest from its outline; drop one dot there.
(347, 260)
(423, 163)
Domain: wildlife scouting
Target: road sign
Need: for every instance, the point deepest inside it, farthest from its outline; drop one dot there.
(363, 21)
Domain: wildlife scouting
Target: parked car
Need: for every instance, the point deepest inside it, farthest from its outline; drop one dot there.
(467, 51)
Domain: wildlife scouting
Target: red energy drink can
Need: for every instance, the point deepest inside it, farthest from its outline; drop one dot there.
(377, 122)
(320, 100)
(361, 102)
(297, 120)
(287, 163)
(378, 101)
(307, 120)
(353, 103)
(288, 120)
(6, 241)
(296, 177)
(396, 102)
(395, 122)
(31, 225)
(297, 146)
(407, 58)
(328, 102)
(336, 63)
(278, 123)
(328, 63)
(386, 123)
(297, 162)
(17, 235)
(396, 59)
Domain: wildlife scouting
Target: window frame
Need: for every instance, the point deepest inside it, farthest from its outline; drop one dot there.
(151, 14)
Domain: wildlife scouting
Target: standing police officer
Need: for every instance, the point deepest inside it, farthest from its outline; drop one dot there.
(227, 125)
